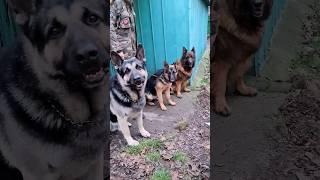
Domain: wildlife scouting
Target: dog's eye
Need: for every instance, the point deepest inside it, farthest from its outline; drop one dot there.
(138, 67)
(91, 19)
(127, 71)
(56, 30)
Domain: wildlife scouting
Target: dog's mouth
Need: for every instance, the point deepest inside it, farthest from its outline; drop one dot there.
(258, 10)
(137, 85)
(94, 75)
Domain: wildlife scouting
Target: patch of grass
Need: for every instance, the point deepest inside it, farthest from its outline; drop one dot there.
(134, 150)
(180, 157)
(151, 143)
(153, 156)
(145, 144)
(161, 174)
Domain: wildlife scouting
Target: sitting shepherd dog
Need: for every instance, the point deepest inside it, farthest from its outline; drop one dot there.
(127, 93)
(184, 67)
(160, 83)
(240, 30)
(53, 91)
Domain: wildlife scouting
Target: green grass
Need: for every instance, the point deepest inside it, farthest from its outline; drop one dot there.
(145, 144)
(153, 156)
(180, 157)
(161, 174)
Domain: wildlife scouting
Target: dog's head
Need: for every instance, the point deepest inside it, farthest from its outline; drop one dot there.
(251, 9)
(170, 72)
(65, 40)
(131, 72)
(188, 59)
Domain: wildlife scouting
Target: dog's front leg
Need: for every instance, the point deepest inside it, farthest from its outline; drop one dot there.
(185, 86)
(178, 88)
(168, 96)
(142, 131)
(124, 127)
(220, 70)
(160, 99)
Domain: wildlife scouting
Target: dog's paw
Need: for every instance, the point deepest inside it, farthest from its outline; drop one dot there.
(179, 96)
(222, 108)
(145, 133)
(172, 103)
(151, 103)
(163, 108)
(133, 142)
(247, 91)
(187, 90)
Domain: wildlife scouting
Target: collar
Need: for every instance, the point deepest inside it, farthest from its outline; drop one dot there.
(66, 118)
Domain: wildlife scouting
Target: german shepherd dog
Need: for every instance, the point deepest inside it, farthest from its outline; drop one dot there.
(184, 67)
(53, 90)
(240, 31)
(160, 83)
(127, 93)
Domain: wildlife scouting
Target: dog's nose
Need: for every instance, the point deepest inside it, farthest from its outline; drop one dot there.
(137, 80)
(87, 52)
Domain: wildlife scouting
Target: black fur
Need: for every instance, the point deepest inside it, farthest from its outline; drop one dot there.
(152, 81)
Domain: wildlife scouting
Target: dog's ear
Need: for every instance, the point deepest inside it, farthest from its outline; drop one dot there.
(140, 53)
(23, 9)
(116, 59)
(165, 64)
(184, 51)
(193, 50)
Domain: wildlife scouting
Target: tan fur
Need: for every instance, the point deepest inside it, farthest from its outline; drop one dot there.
(234, 47)
(164, 89)
(183, 79)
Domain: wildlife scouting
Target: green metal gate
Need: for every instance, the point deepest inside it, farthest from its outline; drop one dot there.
(7, 26)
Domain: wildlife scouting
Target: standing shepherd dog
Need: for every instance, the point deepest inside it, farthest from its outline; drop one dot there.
(53, 91)
(127, 93)
(184, 67)
(160, 83)
(241, 24)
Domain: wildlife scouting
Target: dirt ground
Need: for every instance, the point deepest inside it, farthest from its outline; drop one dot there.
(179, 146)
(276, 135)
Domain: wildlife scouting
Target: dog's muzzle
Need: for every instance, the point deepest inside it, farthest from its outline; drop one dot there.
(93, 68)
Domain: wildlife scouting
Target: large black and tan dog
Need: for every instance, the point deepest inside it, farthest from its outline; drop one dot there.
(53, 90)
(184, 67)
(160, 83)
(240, 30)
(127, 93)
